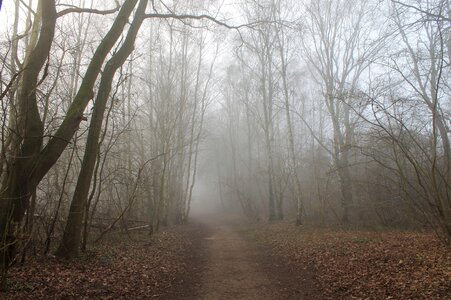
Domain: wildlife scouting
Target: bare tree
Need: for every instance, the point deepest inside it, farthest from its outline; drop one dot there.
(30, 162)
(339, 49)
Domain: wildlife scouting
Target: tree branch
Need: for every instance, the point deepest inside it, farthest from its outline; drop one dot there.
(201, 17)
(79, 10)
(427, 13)
(9, 85)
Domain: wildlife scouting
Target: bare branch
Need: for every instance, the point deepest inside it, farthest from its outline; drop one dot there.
(26, 6)
(10, 84)
(427, 13)
(79, 10)
(203, 17)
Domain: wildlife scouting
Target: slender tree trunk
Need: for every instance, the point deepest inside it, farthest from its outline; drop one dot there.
(292, 152)
(162, 193)
(187, 204)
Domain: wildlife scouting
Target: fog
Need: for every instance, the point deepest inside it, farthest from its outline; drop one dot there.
(206, 193)
(318, 113)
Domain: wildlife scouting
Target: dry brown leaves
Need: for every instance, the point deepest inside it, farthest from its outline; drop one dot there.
(141, 268)
(365, 265)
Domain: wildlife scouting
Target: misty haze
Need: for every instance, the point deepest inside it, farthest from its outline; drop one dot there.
(217, 149)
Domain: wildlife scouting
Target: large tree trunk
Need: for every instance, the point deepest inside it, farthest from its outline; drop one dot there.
(341, 153)
(19, 184)
(346, 188)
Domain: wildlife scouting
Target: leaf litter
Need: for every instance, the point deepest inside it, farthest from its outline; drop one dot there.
(139, 268)
(363, 264)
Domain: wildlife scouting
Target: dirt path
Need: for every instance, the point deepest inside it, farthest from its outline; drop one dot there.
(232, 270)
(237, 268)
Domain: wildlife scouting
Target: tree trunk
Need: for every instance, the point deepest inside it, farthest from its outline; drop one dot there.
(19, 184)
(70, 243)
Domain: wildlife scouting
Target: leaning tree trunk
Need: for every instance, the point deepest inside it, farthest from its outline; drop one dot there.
(70, 243)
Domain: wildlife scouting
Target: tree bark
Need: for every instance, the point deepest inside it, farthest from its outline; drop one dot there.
(19, 185)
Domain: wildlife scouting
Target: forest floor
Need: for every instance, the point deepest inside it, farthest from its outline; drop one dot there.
(357, 264)
(220, 258)
(121, 266)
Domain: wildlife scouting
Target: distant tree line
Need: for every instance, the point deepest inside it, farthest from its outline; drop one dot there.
(338, 112)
